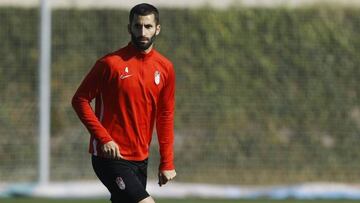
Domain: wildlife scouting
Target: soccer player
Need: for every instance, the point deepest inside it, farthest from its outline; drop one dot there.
(133, 88)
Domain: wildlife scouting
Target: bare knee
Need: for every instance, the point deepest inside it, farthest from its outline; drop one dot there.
(147, 200)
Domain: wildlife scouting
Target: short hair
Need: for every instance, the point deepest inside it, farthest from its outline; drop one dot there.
(143, 10)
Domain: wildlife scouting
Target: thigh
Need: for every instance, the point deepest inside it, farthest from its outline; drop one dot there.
(141, 171)
(120, 179)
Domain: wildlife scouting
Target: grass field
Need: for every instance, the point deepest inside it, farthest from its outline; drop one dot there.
(31, 200)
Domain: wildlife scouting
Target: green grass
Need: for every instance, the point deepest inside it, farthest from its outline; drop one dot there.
(33, 200)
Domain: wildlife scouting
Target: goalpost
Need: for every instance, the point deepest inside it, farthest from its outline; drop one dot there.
(44, 92)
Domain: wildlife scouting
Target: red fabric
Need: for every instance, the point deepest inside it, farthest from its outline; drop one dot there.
(132, 90)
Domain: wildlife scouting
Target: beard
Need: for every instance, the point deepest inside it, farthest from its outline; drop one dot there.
(140, 45)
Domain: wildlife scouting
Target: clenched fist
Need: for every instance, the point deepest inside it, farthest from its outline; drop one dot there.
(165, 176)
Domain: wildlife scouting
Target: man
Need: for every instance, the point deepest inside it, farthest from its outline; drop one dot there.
(133, 88)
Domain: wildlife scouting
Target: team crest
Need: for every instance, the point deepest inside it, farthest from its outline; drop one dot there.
(157, 77)
(120, 182)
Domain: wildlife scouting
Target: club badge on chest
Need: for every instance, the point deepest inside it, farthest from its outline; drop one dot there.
(157, 77)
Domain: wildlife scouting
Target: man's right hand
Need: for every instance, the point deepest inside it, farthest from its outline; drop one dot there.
(111, 150)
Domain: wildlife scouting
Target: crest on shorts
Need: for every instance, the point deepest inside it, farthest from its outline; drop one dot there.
(157, 77)
(120, 182)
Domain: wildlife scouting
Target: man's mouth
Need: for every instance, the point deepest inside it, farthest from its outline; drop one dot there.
(143, 40)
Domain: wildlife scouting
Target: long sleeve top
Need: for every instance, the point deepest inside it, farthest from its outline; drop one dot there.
(132, 92)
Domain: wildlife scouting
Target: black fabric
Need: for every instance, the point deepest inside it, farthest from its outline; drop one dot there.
(125, 180)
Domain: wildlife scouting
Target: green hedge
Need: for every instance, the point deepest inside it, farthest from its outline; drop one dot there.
(263, 95)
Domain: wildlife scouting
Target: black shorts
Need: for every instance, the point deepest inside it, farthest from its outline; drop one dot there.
(125, 180)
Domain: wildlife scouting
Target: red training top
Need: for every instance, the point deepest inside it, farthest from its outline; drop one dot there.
(132, 91)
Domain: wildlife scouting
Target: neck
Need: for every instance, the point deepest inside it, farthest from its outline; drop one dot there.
(147, 50)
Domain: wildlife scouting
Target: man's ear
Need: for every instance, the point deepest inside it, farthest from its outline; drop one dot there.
(158, 28)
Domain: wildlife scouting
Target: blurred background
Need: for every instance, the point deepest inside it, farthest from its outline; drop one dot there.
(267, 90)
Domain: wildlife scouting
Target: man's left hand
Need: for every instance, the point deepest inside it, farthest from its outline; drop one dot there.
(165, 176)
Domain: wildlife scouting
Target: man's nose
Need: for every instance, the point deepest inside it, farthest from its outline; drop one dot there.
(143, 31)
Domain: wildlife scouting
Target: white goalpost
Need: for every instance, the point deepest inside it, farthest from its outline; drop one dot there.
(44, 92)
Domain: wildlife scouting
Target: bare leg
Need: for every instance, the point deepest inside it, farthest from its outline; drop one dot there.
(147, 200)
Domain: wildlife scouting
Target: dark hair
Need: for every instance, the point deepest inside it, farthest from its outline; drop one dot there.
(143, 10)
